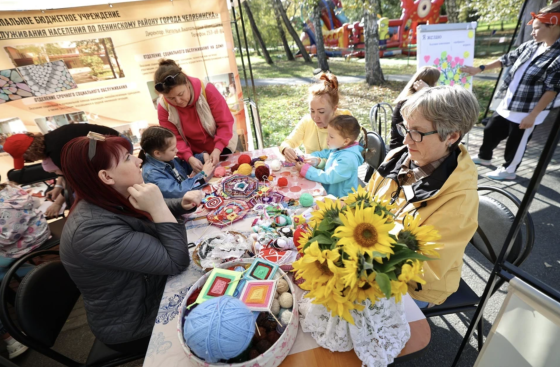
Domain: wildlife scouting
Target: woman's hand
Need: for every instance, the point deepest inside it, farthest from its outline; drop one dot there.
(53, 210)
(208, 169)
(53, 194)
(419, 84)
(215, 155)
(192, 199)
(527, 122)
(148, 198)
(471, 70)
(291, 155)
(196, 165)
(206, 157)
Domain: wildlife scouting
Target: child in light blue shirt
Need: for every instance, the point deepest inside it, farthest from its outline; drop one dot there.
(172, 175)
(336, 167)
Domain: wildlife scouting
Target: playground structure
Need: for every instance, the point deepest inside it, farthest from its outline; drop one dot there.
(396, 36)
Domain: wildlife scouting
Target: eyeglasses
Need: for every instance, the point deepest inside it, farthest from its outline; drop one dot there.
(169, 81)
(416, 136)
(92, 147)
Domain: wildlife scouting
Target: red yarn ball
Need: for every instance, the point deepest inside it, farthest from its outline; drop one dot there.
(282, 181)
(262, 173)
(244, 158)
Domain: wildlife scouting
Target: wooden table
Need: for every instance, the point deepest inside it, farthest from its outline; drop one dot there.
(320, 357)
(164, 349)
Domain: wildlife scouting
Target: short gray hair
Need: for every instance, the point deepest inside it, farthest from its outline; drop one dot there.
(450, 109)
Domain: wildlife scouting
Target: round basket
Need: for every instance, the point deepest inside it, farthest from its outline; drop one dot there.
(272, 357)
(196, 258)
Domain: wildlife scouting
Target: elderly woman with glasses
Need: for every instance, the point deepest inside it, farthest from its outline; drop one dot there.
(197, 114)
(433, 176)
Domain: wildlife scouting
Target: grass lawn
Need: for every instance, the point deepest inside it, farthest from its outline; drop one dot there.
(353, 67)
(281, 107)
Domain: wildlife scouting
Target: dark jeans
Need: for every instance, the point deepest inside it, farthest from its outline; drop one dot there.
(498, 129)
(134, 347)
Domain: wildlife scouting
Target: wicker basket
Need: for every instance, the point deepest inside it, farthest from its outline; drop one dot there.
(272, 357)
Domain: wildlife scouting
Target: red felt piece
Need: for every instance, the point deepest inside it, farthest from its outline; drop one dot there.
(282, 182)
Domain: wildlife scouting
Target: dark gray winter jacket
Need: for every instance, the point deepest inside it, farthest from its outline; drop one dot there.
(120, 264)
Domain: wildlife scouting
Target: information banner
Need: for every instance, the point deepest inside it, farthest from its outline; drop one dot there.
(96, 64)
(447, 47)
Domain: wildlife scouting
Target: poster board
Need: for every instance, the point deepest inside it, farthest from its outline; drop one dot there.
(448, 47)
(112, 52)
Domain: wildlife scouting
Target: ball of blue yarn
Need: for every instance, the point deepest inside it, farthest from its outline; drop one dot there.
(220, 328)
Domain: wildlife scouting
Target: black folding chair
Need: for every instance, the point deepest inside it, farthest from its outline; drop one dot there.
(374, 153)
(44, 300)
(494, 223)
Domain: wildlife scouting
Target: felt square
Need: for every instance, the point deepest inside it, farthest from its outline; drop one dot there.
(261, 269)
(218, 287)
(258, 294)
(220, 282)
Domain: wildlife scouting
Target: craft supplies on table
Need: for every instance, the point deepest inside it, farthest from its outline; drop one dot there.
(272, 339)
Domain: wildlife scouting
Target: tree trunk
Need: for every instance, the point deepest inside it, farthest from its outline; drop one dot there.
(287, 50)
(257, 34)
(452, 11)
(374, 74)
(293, 32)
(256, 46)
(321, 55)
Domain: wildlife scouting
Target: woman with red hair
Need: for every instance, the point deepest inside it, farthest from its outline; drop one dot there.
(121, 240)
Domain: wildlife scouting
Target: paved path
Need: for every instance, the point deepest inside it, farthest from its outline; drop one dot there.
(447, 332)
(341, 79)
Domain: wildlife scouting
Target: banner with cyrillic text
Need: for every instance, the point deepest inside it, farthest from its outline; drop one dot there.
(96, 64)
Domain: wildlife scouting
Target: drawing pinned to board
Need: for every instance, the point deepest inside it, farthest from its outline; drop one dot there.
(48, 78)
(449, 66)
(448, 47)
(12, 86)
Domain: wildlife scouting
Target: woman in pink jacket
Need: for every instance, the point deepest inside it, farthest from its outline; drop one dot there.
(197, 114)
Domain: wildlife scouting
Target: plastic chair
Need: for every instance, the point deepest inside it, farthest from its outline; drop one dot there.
(374, 152)
(44, 300)
(494, 222)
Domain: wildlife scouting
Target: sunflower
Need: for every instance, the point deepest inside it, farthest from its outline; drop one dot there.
(419, 238)
(358, 197)
(304, 236)
(340, 305)
(384, 207)
(366, 289)
(317, 267)
(349, 274)
(410, 271)
(329, 210)
(398, 289)
(365, 232)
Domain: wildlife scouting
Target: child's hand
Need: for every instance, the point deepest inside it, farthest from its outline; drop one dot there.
(208, 169)
(314, 161)
(299, 166)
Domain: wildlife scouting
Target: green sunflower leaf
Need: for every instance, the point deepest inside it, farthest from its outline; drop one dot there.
(322, 239)
(384, 283)
(404, 254)
(392, 276)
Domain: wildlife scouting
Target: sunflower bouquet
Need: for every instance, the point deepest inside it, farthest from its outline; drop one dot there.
(354, 251)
